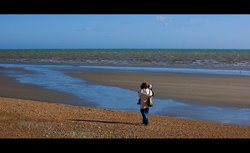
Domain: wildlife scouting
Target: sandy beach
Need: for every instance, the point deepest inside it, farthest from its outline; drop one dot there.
(223, 90)
(32, 119)
(39, 117)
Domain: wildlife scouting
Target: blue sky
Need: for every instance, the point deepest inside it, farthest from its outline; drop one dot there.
(124, 31)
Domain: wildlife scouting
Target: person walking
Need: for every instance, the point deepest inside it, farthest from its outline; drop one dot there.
(144, 94)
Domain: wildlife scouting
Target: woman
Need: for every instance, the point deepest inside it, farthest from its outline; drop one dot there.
(144, 94)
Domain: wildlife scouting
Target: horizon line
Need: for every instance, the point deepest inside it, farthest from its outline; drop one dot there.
(124, 48)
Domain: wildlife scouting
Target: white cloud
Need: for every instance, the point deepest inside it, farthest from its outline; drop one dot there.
(164, 20)
(198, 21)
(160, 18)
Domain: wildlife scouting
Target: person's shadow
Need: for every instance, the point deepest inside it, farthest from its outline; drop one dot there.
(108, 122)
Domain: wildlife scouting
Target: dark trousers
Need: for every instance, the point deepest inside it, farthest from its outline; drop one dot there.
(144, 113)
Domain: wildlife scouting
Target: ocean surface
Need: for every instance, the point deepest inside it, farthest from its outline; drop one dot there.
(189, 58)
(112, 97)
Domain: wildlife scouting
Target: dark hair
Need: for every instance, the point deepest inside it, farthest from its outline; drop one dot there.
(144, 85)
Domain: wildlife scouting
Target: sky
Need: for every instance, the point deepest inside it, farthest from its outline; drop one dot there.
(170, 31)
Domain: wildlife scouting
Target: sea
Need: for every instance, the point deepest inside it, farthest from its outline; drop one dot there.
(193, 58)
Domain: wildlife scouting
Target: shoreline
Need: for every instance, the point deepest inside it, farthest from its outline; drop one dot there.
(13, 89)
(32, 119)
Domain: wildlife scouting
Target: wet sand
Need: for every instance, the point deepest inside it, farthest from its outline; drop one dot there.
(9, 87)
(218, 90)
(32, 119)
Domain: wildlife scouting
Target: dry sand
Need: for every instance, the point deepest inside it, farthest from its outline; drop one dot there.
(209, 89)
(30, 119)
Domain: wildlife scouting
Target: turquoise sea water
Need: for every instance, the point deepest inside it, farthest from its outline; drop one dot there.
(111, 97)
